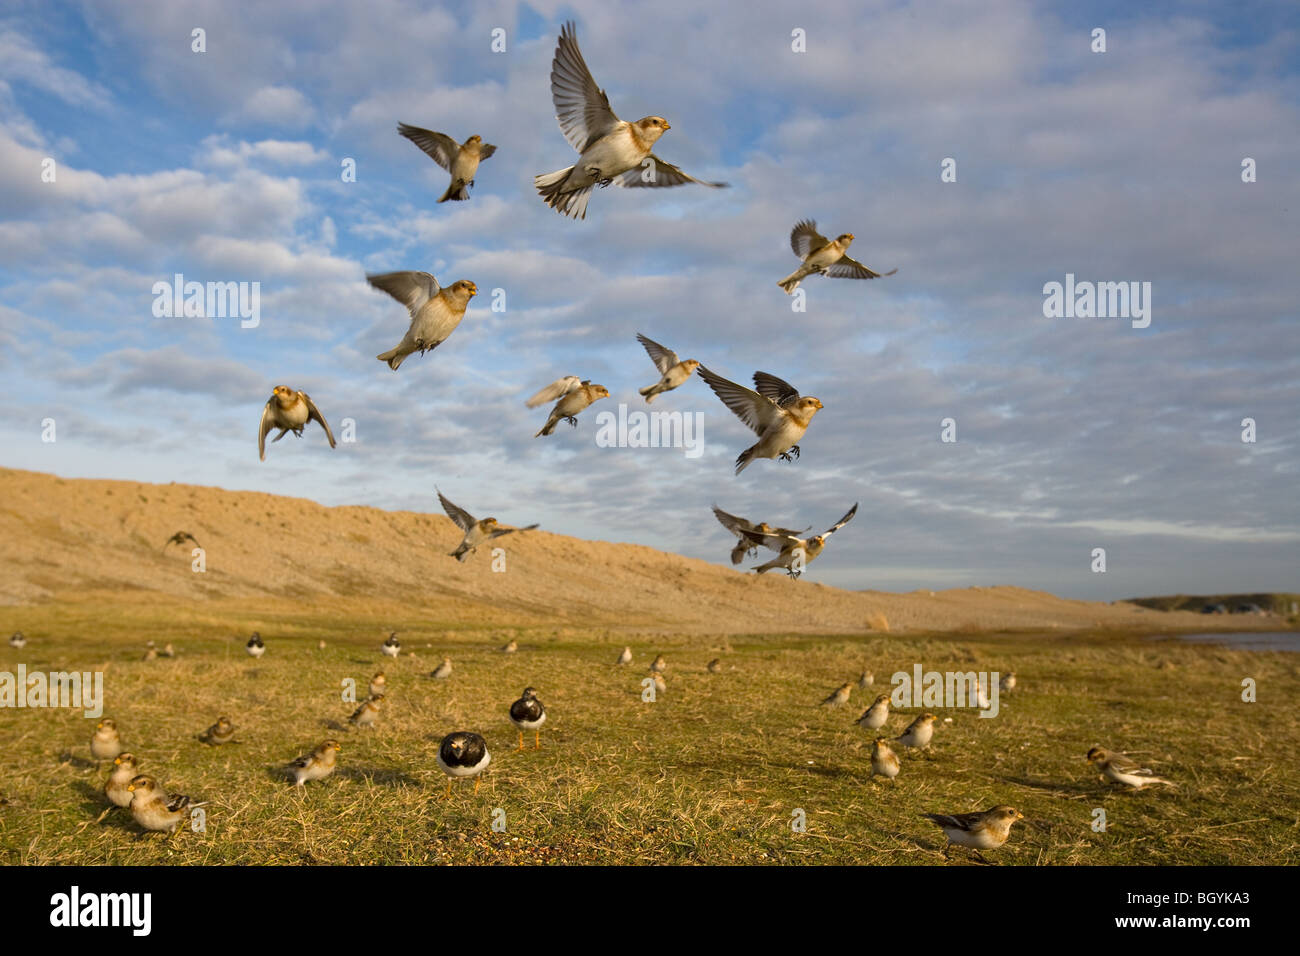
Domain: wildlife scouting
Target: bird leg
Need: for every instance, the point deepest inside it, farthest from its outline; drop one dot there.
(521, 742)
(572, 420)
(448, 797)
(477, 781)
(537, 740)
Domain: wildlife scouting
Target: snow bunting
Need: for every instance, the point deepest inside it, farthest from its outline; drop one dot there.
(626, 656)
(459, 159)
(748, 534)
(715, 666)
(777, 413)
(378, 684)
(980, 831)
(824, 257)
(288, 411)
(527, 713)
(1119, 769)
(883, 759)
(391, 647)
(1007, 683)
(555, 391)
(316, 765)
(510, 647)
(150, 654)
(570, 404)
(154, 809)
(167, 651)
(612, 150)
(476, 531)
(919, 732)
(443, 670)
(105, 742)
(839, 697)
(256, 647)
(125, 769)
(875, 716)
(435, 312)
(661, 685)
(18, 640)
(368, 712)
(180, 537)
(659, 664)
(794, 554)
(866, 680)
(222, 732)
(463, 754)
(672, 371)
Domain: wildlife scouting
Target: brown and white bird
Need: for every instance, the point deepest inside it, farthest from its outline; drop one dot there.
(883, 759)
(777, 413)
(672, 371)
(866, 680)
(715, 666)
(463, 754)
(288, 411)
(1007, 683)
(659, 664)
(154, 808)
(626, 656)
(105, 742)
(748, 533)
(443, 670)
(875, 716)
(527, 713)
(222, 732)
(661, 685)
(555, 391)
(919, 733)
(823, 256)
(392, 646)
(435, 312)
(125, 769)
(368, 713)
(510, 647)
(317, 765)
(795, 554)
(378, 684)
(167, 651)
(459, 159)
(1120, 769)
(476, 531)
(839, 697)
(570, 404)
(612, 150)
(180, 537)
(979, 831)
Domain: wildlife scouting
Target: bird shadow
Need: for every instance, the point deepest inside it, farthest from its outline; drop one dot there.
(332, 724)
(1052, 785)
(81, 763)
(385, 778)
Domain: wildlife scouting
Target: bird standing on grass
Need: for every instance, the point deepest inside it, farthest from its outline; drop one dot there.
(443, 670)
(715, 666)
(875, 716)
(625, 657)
(459, 159)
(256, 647)
(659, 664)
(883, 759)
(463, 754)
(17, 640)
(316, 765)
(824, 257)
(839, 697)
(1120, 769)
(288, 411)
(391, 647)
(866, 680)
(378, 684)
(527, 713)
(125, 769)
(368, 713)
(222, 732)
(154, 809)
(979, 831)
(919, 732)
(105, 742)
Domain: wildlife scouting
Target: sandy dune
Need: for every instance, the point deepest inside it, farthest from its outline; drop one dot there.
(74, 540)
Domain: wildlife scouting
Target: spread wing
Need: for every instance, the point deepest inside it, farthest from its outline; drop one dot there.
(842, 522)
(440, 147)
(663, 358)
(464, 520)
(581, 106)
(736, 525)
(412, 289)
(664, 174)
(556, 390)
(264, 427)
(500, 531)
(753, 409)
(314, 413)
(485, 150)
(777, 389)
(804, 238)
(847, 268)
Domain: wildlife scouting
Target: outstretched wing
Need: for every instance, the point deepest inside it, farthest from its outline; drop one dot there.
(500, 531)
(804, 238)
(581, 106)
(440, 147)
(777, 389)
(847, 268)
(733, 523)
(314, 413)
(660, 174)
(464, 520)
(753, 409)
(263, 428)
(842, 522)
(556, 390)
(412, 289)
(663, 358)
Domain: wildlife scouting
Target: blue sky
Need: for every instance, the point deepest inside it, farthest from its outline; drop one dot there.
(1072, 433)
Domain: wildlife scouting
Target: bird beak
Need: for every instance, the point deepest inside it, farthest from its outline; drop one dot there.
(666, 126)
(130, 788)
(852, 236)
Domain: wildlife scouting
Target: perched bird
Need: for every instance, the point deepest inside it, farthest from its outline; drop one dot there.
(368, 712)
(222, 732)
(748, 534)
(391, 647)
(255, 646)
(661, 685)
(715, 666)
(463, 754)
(883, 759)
(476, 531)
(167, 651)
(555, 391)
(659, 664)
(794, 554)
(154, 809)
(180, 537)
(435, 311)
(777, 413)
(527, 713)
(125, 768)
(875, 716)
(316, 765)
(626, 656)
(866, 680)
(378, 684)
(288, 411)
(980, 831)
(570, 404)
(459, 159)
(672, 371)
(1007, 683)
(919, 732)
(17, 639)
(443, 670)
(824, 257)
(839, 697)
(105, 742)
(150, 654)
(510, 647)
(612, 150)
(1119, 769)
(320, 645)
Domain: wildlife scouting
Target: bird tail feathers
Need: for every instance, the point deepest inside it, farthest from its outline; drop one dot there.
(393, 357)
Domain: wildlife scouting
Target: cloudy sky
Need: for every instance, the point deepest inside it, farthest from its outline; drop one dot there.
(1072, 433)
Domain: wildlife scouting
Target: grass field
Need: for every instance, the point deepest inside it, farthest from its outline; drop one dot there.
(710, 773)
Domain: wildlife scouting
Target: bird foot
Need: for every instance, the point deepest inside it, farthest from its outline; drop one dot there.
(602, 183)
(571, 420)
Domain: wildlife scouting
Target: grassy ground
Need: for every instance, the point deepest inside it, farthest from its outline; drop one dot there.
(709, 773)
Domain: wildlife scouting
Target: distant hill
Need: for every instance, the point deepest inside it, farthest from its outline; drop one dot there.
(1281, 604)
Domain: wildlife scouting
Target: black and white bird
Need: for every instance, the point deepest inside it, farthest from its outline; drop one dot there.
(18, 640)
(255, 645)
(527, 713)
(463, 754)
(391, 647)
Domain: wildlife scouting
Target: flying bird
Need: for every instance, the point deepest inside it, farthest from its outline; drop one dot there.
(556, 390)
(612, 150)
(435, 311)
(777, 413)
(795, 553)
(979, 831)
(459, 159)
(288, 411)
(568, 407)
(821, 255)
(180, 537)
(476, 531)
(672, 371)
(748, 533)
(1119, 769)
